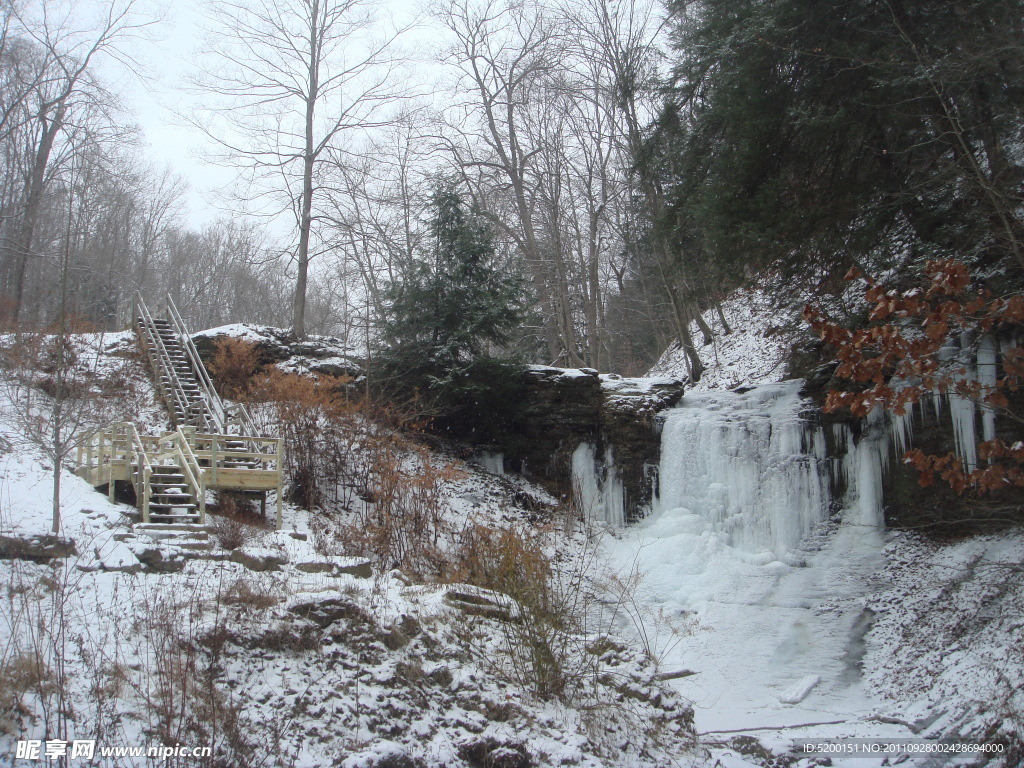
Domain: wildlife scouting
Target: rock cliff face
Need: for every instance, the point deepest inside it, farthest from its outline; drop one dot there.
(562, 408)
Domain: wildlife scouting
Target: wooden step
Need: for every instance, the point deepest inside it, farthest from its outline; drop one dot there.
(200, 531)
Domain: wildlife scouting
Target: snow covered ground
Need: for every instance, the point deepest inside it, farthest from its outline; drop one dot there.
(752, 353)
(826, 632)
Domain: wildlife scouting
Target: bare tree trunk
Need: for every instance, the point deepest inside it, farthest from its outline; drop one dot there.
(705, 329)
(721, 317)
(33, 203)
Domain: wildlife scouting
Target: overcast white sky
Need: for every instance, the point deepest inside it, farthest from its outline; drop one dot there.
(152, 101)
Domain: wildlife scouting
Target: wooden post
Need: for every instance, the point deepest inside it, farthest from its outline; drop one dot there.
(213, 460)
(145, 494)
(280, 481)
(202, 499)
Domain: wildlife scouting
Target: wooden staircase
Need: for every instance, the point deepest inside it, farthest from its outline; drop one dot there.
(171, 499)
(181, 379)
(190, 407)
(211, 447)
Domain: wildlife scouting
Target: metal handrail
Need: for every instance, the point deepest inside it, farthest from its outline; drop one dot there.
(221, 414)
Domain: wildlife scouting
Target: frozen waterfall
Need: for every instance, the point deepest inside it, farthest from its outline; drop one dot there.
(597, 488)
(749, 464)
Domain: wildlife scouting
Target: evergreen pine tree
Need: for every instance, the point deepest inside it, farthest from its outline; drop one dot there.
(452, 316)
(821, 133)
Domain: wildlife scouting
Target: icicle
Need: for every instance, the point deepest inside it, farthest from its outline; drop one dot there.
(599, 500)
(961, 409)
(987, 376)
(585, 486)
(870, 461)
(842, 468)
(492, 462)
(903, 431)
(614, 491)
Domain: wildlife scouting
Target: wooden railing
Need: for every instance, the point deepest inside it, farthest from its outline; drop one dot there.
(224, 417)
(142, 475)
(219, 452)
(118, 452)
(231, 462)
(160, 360)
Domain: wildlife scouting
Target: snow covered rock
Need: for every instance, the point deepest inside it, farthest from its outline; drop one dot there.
(38, 548)
(799, 690)
(258, 559)
(562, 408)
(382, 754)
(481, 602)
(324, 355)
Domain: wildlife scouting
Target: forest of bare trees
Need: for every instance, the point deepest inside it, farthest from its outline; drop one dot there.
(534, 109)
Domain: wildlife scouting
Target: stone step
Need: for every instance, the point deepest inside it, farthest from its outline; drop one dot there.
(198, 546)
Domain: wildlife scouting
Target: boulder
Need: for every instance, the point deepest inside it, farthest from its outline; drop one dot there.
(157, 560)
(325, 612)
(256, 560)
(37, 548)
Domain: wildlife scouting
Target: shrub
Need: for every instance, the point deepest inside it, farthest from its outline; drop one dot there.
(234, 364)
(245, 593)
(542, 649)
(312, 420)
(236, 522)
(402, 522)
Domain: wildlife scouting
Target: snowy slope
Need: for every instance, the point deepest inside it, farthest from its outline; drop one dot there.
(752, 353)
(278, 654)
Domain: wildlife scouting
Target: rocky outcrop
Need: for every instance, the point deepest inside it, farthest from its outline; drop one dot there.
(628, 411)
(324, 355)
(561, 408)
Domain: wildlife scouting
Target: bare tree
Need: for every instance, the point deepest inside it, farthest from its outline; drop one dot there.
(62, 54)
(619, 40)
(286, 80)
(50, 374)
(503, 52)
(376, 209)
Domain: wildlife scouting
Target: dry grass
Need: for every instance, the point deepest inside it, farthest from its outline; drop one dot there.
(233, 365)
(246, 593)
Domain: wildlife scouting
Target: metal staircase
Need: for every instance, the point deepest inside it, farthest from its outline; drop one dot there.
(213, 446)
